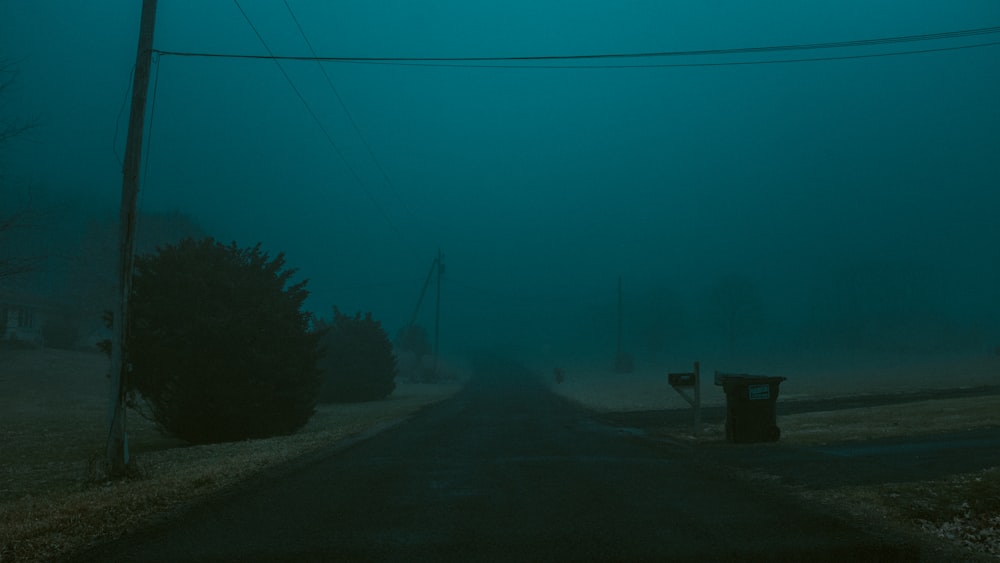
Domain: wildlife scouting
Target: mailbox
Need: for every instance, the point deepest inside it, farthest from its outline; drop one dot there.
(685, 383)
(682, 379)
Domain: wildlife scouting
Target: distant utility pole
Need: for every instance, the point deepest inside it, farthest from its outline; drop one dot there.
(117, 446)
(437, 308)
(618, 353)
(438, 265)
(623, 361)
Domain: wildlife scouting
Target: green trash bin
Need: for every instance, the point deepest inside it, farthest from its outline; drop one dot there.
(750, 407)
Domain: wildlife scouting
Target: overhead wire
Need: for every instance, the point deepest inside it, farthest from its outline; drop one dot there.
(315, 117)
(683, 65)
(118, 120)
(528, 61)
(340, 100)
(579, 62)
(152, 119)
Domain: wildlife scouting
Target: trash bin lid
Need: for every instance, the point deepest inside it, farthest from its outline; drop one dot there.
(745, 379)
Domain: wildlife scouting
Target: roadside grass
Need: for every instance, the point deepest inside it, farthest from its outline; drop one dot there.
(920, 418)
(52, 425)
(599, 388)
(962, 509)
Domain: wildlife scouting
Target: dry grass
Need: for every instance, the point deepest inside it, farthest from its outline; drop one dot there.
(963, 509)
(598, 388)
(602, 390)
(52, 423)
(870, 423)
(860, 424)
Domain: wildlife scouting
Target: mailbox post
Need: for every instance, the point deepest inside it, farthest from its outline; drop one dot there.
(683, 381)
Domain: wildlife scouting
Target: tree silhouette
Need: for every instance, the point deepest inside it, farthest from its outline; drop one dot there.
(359, 364)
(11, 129)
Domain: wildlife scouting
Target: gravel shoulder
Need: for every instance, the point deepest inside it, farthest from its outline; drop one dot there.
(52, 413)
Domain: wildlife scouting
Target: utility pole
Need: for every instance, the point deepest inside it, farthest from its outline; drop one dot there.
(623, 360)
(618, 354)
(436, 264)
(437, 307)
(117, 447)
(423, 290)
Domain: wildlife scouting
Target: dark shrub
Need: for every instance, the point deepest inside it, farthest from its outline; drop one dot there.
(219, 347)
(413, 338)
(359, 364)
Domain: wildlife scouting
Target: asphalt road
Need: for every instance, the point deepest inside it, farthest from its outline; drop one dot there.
(505, 471)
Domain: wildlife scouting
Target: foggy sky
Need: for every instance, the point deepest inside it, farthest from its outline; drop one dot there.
(541, 186)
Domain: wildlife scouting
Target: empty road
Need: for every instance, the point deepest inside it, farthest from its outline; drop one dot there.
(504, 471)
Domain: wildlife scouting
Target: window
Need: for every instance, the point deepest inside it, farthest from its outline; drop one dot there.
(25, 318)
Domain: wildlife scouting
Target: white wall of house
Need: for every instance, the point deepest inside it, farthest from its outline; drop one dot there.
(20, 323)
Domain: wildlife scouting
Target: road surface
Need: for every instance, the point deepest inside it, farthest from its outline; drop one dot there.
(505, 471)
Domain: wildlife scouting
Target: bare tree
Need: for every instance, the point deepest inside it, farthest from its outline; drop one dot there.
(11, 129)
(11, 264)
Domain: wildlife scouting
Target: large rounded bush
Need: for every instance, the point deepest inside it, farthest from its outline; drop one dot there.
(219, 346)
(359, 364)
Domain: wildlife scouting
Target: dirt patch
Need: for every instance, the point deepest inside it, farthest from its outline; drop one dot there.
(52, 426)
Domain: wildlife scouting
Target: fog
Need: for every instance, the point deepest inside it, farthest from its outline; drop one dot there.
(751, 210)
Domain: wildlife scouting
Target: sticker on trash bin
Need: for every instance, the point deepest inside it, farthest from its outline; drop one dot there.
(760, 392)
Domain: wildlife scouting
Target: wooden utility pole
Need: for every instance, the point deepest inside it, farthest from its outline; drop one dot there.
(623, 361)
(117, 447)
(436, 264)
(423, 290)
(618, 354)
(437, 307)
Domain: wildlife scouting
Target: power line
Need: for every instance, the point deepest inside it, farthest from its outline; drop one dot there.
(152, 118)
(340, 100)
(526, 61)
(118, 120)
(683, 65)
(326, 133)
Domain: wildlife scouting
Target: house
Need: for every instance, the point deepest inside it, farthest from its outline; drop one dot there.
(23, 316)
(20, 319)
(18, 322)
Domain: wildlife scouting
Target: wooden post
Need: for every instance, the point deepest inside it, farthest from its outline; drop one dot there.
(618, 353)
(117, 447)
(680, 382)
(697, 398)
(423, 291)
(437, 309)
